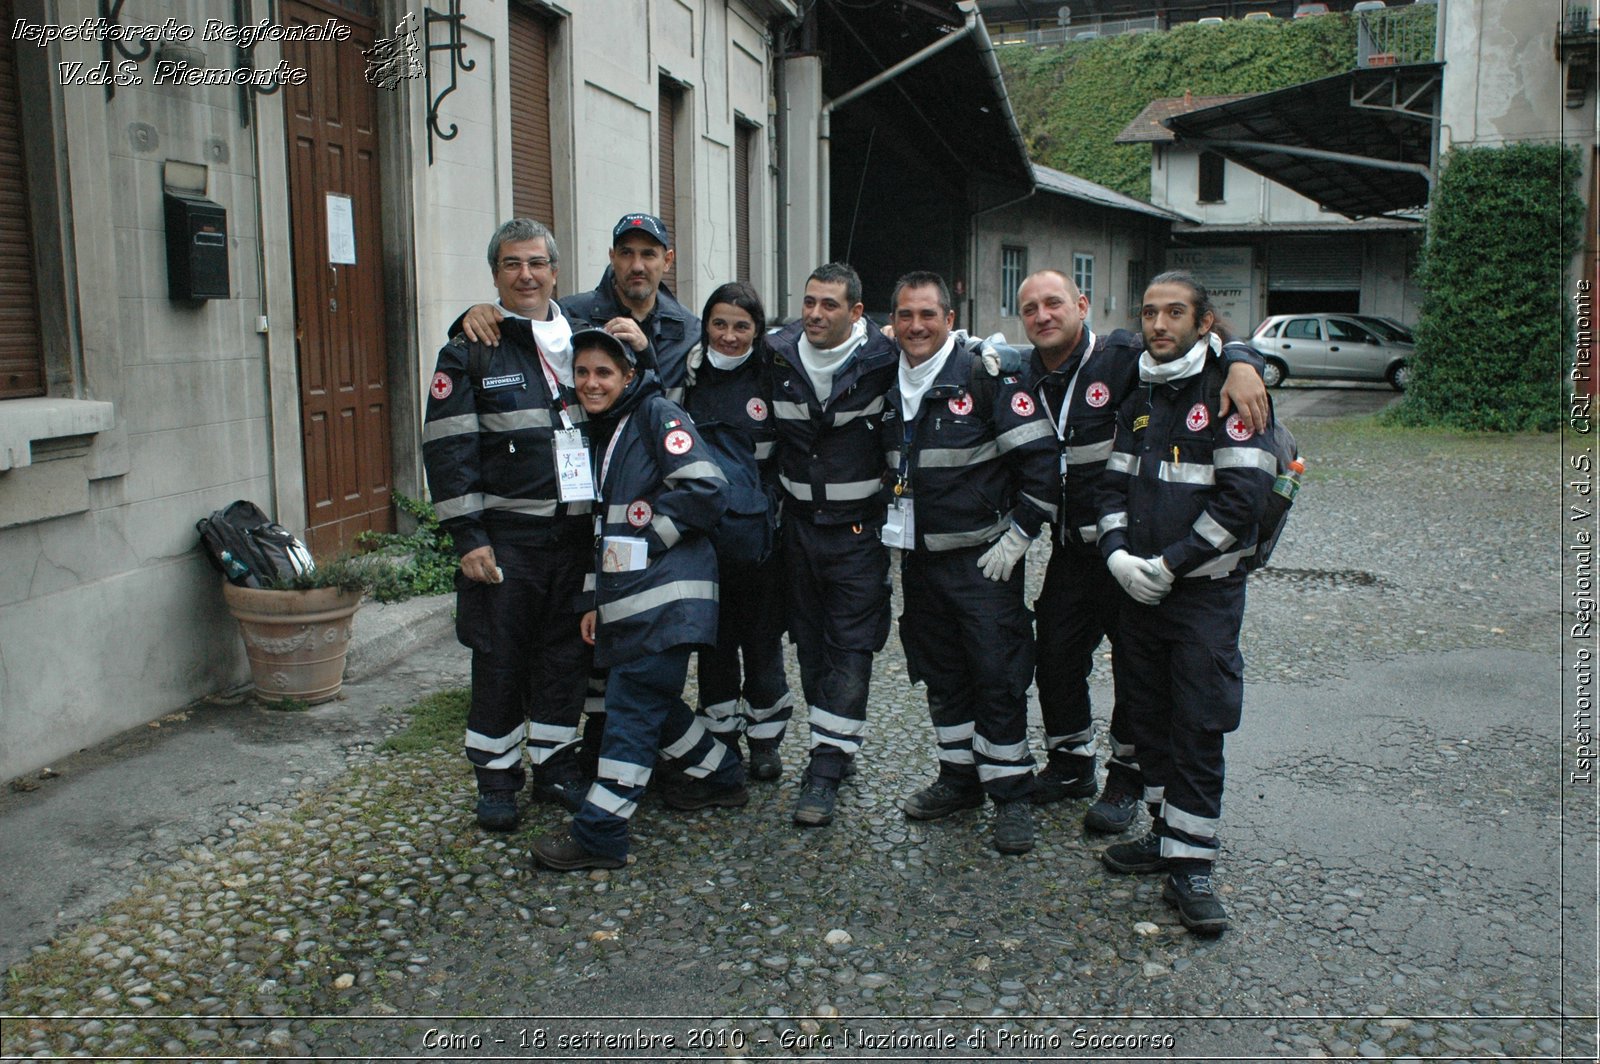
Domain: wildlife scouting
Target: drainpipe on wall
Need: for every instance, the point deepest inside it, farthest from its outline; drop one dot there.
(825, 124)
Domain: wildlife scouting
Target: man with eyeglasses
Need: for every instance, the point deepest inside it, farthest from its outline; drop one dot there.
(506, 465)
(631, 302)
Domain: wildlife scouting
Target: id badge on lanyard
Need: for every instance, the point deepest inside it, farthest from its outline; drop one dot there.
(574, 470)
(900, 525)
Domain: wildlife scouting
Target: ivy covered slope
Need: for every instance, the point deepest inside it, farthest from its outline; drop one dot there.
(1492, 342)
(1072, 100)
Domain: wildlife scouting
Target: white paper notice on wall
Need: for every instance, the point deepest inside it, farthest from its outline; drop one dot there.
(341, 230)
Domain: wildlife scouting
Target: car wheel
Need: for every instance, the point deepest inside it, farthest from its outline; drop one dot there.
(1273, 373)
(1399, 376)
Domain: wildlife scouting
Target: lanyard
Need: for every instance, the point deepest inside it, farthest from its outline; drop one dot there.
(555, 389)
(1060, 421)
(905, 448)
(605, 464)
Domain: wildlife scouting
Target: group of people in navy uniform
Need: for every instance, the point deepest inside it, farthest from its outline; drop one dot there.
(565, 456)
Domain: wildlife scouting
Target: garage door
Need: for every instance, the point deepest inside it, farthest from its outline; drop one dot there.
(1314, 266)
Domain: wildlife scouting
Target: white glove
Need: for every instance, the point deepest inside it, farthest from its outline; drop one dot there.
(998, 561)
(1156, 566)
(1134, 576)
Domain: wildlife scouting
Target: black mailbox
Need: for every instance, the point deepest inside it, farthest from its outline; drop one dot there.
(197, 248)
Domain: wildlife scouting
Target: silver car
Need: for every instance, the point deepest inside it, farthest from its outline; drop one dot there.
(1341, 346)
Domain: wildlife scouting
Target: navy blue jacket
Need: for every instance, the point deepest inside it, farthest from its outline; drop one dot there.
(973, 467)
(662, 487)
(830, 460)
(671, 328)
(740, 397)
(488, 447)
(1109, 374)
(1182, 482)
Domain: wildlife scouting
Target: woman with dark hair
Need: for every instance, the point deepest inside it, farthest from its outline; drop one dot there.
(655, 601)
(729, 384)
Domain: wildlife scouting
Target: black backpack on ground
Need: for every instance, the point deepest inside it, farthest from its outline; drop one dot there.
(250, 548)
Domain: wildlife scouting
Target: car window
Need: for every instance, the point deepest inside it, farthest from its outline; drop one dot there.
(1268, 329)
(1387, 329)
(1339, 329)
(1302, 329)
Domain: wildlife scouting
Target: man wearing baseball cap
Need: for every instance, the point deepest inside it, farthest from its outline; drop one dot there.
(630, 302)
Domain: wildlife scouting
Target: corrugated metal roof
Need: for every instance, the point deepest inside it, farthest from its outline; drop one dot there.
(1147, 127)
(1065, 184)
(1370, 225)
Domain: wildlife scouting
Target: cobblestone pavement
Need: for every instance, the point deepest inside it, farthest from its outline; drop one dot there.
(1407, 875)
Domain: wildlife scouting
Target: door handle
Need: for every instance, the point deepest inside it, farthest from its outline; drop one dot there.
(1333, 347)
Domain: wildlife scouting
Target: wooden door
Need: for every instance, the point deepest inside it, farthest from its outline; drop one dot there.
(339, 312)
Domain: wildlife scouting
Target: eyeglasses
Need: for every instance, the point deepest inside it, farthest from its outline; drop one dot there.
(516, 265)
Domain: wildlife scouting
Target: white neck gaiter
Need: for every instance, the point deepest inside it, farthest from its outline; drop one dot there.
(821, 365)
(727, 362)
(1179, 368)
(554, 337)
(916, 380)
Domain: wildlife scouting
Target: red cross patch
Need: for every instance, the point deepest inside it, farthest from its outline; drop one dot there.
(961, 405)
(1199, 417)
(678, 442)
(441, 386)
(1097, 394)
(639, 513)
(756, 409)
(1237, 429)
(1021, 404)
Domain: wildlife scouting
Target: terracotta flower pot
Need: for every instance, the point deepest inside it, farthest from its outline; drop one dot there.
(295, 640)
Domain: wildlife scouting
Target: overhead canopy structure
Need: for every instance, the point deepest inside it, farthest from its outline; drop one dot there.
(1359, 143)
(953, 104)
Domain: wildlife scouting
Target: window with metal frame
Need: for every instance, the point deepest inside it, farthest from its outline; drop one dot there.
(1013, 268)
(1083, 276)
(1213, 167)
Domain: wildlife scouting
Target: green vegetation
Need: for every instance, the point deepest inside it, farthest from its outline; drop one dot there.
(1072, 100)
(424, 561)
(1492, 348)
(435, 721)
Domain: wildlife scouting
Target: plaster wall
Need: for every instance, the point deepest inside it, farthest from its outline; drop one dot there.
(1248, 198)
(802, 103)
(1053, 228)
(98, 536)
(1503, 83)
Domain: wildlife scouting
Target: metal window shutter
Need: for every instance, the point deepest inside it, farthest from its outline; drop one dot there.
(532, 185)
(743, 135)
(21, 351)
(666, 115)
(1325, 265)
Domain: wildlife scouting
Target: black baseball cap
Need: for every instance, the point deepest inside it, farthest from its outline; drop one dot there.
(648, 224)
(583, 339)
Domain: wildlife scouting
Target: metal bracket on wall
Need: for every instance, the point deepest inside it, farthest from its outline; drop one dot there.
(111, 14)
(457, 48)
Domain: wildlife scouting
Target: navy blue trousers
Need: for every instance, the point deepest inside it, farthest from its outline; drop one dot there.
(645, 713)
